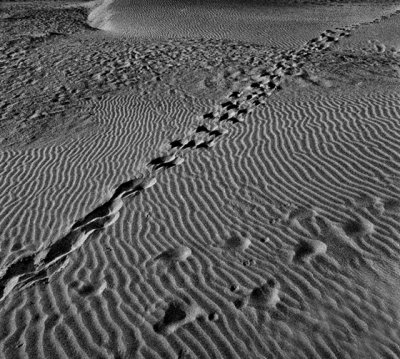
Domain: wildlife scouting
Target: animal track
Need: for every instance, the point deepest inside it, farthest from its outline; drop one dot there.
(38, 266)
(255, 94)
(34, 267)
(319, 233)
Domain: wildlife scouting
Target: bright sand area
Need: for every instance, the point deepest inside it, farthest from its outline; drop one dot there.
(194, 189)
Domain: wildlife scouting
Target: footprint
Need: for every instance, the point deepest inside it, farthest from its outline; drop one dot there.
(175, 255)
(175, 162)
(392, 206)
(224, 116)
(258, 102)
(343, 247)
(176, 144)
(191, 144)
(264, 297)
(108, 208)
(358, 227)
(242, 111)
(101, 223)
(309, 249)
(235, 120)
(10, 275)
(219, 132)
(16, 247)
(227, 104)
(232, 107)
(167, 261)
(202, 128)
(131, 186)
(126, 187)
(304, 219)
(271, 85)
(147, 183)
(89, 289)
(255, 85)
(33, 268)
(63, 246)
(177, 315)
(209, 116)
(207, 144)
(236, 243)
(332, 38)
(162, 160)
(235, 94)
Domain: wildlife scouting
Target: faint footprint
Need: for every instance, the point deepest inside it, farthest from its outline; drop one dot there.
(169, 258)
(174, 255)
(392, 206)
(236, 242)
(16, 247)
(309, 249)
(177, 315)
(304, 219)
(89, 289)
(263, 297)
(358, 227)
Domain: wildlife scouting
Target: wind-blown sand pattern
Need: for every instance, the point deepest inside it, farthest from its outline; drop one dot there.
(198, 198)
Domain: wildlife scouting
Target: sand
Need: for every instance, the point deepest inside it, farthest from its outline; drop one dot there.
(172, 195)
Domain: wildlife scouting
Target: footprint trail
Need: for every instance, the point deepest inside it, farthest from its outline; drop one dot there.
(213, 127)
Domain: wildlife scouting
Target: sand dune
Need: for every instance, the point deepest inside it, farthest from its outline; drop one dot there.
(236, 20)
(249, 212)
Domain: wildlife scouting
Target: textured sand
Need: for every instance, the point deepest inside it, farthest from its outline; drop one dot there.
(284, 24)
(194, 198)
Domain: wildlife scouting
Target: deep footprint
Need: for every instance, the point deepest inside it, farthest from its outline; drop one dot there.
(108, 208)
